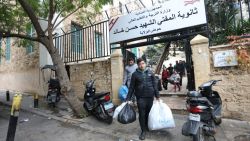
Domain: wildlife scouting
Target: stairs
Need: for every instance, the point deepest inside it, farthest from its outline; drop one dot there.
(176, 102)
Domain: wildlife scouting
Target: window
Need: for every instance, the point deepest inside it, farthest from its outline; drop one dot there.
(30, 47)
(76, 38)
(98, 44)
(7, 50)
(120, 6)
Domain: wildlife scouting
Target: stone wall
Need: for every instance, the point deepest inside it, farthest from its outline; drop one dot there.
(21, 72)
(80, 74)
(235, 86)
(234, 89)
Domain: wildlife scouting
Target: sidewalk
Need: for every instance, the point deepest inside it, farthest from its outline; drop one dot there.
(230, 130)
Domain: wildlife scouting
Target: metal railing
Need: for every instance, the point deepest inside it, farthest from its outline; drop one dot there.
(224, 17)
(88, 43)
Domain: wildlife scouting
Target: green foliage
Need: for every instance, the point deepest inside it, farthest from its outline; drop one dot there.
(13, 18)
(154, 52)
(223, 22)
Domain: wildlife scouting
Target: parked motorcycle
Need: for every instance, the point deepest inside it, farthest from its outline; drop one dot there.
(54, 89)
(204, 108)
(98, 104)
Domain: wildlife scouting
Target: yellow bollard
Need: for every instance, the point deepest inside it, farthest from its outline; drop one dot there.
(35, 100)
(16, 105)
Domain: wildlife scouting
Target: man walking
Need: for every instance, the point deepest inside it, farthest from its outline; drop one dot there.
(179, 68)
(129, 70)
(170, 69)
(144, 86)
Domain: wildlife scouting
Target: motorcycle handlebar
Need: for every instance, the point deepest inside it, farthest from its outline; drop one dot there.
(215, 81)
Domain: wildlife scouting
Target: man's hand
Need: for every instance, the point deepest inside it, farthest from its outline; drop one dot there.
(158, 99)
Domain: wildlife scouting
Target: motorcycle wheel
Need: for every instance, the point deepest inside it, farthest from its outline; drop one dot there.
(104, 116)
(217, 121)
(200, 136)
(109, 120)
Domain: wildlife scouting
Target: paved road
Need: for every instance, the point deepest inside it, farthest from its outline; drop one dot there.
(40, 128)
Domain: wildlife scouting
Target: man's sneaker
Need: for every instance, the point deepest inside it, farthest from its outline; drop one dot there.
(142, 136)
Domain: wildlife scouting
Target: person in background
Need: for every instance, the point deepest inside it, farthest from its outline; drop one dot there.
(185, 67)
(181, 70)
(175, 80)
(170, 69)
(144, 86)
(129, 70)
(177, 66)
(183, 64)
(164, 76)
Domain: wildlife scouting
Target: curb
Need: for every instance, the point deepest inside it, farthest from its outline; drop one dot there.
(78, 123)
(173, 95)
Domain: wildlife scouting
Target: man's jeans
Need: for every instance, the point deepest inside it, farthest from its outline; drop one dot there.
(144, 107)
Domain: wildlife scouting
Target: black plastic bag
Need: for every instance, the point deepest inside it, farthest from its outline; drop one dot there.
(158, 83)
(127, 115)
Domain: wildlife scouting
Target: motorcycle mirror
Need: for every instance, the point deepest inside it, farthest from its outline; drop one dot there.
(91, 74)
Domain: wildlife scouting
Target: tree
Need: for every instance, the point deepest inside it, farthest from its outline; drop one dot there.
(18, 15)
(223, 22)
(164, 54)
(154, 52)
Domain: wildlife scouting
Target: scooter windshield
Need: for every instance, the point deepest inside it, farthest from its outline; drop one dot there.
(207, 84)
(89, 84)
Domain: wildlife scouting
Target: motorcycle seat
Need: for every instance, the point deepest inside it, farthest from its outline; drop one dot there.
(203, 100)
(194, 94)
(101, 94)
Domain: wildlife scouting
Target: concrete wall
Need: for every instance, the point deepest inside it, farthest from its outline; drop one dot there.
(80, 73)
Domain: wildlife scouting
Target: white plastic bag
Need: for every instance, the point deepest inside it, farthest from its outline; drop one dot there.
(118, 109)
(160, 116)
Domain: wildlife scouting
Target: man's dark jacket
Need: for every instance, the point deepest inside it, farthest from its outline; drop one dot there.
(143, 84)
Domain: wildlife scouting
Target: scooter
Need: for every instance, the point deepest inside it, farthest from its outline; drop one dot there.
(98, 104)
(204, 108)
(54, 89)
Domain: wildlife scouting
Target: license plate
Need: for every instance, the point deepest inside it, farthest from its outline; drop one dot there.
(194, 117)
(108, 106)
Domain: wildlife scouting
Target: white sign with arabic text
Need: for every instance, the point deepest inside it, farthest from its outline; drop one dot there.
(169, 15)
(225, 58)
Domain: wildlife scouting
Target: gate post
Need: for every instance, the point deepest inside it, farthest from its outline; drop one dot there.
(117, 74)
(201, 59)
